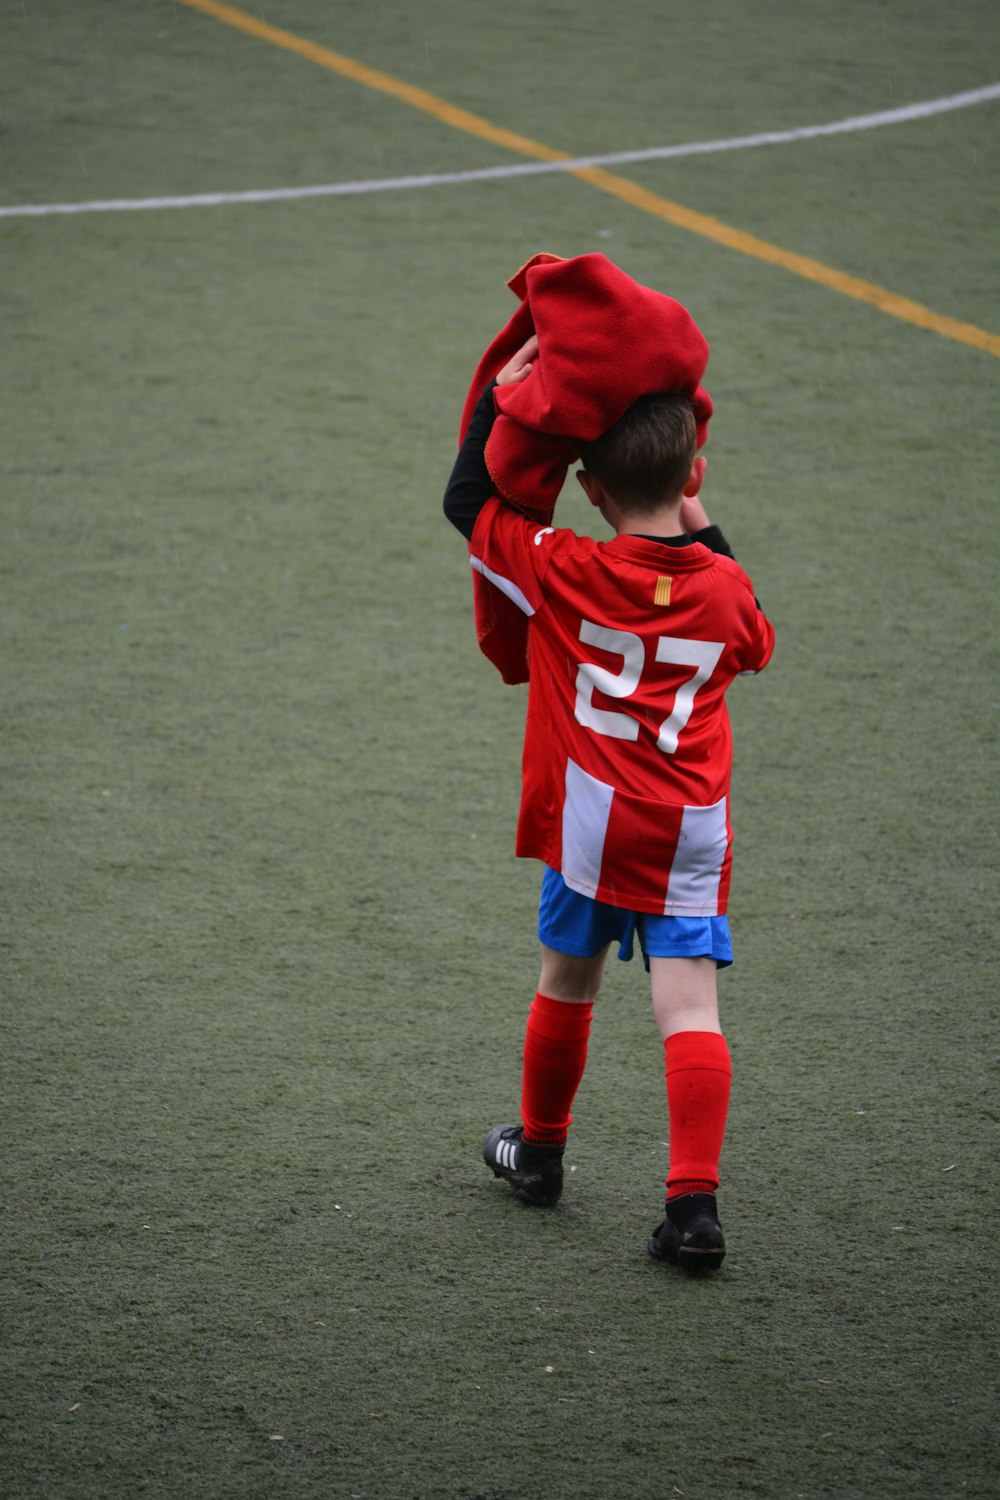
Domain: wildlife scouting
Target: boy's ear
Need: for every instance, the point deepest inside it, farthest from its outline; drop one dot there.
(696, 478)
(591, 486)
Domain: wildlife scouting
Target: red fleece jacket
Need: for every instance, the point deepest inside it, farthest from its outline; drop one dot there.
(603, 341)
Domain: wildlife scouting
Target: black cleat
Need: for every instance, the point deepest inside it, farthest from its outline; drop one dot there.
(534, 1172)
(690, 1235)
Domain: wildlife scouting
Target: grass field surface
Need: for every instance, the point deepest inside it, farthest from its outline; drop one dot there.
(265, 952)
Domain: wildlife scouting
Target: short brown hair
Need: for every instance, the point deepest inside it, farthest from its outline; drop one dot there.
(646, 457)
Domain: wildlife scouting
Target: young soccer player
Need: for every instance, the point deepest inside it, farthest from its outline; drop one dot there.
(632, 645)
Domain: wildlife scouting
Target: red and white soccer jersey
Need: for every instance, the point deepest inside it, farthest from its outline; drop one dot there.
(627, 749)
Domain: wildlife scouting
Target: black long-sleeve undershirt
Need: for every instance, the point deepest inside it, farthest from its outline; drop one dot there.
(470, 485)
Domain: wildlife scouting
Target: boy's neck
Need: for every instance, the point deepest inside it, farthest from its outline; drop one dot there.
(666, 521)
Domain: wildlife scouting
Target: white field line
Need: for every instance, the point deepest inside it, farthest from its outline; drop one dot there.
(518, 169)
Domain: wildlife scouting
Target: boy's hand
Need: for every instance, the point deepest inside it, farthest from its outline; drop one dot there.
(693, 514)
(520, 365)
(694, 517)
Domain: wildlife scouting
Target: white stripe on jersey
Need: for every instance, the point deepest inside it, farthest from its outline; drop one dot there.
(698, 860)
(503, 584)
(586, 810)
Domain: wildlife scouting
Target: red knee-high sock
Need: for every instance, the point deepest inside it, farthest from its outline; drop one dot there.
(555, 1055)
(698, 1077)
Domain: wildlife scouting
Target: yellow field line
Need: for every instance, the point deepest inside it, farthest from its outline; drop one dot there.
(336, 62)
(799, 265)
(607, 182)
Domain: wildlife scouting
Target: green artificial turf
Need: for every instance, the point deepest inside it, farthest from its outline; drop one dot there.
(265, 953)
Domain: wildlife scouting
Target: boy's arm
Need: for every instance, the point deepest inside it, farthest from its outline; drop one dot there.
(470, 485)
(699, 528)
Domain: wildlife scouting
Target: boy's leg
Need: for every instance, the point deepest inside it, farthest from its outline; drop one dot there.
(698, 1074)
(575, 934)
(555, 1043)
(529, 1155)
(698, 1070)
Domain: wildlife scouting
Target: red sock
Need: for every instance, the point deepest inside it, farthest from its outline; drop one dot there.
(698, 1077)
(555, 1055)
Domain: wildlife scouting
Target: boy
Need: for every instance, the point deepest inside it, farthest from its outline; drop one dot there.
(627, 757)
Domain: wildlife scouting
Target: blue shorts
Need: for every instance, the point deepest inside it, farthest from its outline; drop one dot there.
(571, 923)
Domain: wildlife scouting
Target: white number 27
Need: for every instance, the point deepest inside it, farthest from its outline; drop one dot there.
(671, 650)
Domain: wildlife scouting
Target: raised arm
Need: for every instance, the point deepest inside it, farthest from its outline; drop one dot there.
(470, 485)
(694, 520)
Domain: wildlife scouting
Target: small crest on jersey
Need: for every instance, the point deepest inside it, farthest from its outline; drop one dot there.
(661, 594)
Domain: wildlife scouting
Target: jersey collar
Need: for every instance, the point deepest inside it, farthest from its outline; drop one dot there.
(652, 551)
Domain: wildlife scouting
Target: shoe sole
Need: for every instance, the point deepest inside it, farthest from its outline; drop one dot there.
(695, 1260)
(527, 1191)
(688, 1257)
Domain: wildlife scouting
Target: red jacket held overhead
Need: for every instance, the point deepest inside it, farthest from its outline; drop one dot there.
(603, 341)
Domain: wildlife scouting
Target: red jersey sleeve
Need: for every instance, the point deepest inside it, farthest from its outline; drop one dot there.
(515, 553)
(760, 645)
